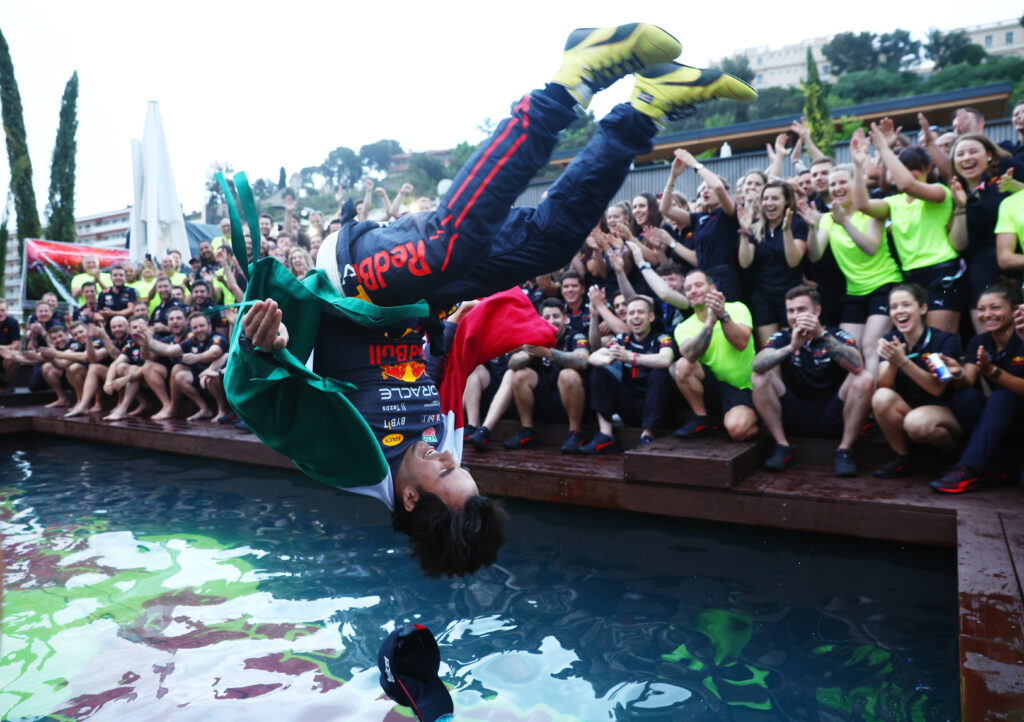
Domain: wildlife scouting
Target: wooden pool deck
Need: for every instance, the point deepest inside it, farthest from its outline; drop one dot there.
(718, 480)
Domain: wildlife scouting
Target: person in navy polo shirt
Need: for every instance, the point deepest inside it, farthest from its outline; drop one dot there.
(90, 309)
(100, 358)
(158, 318)
(157, 369)
(631, 378)
(911, 404)
(810, 380)
(548, 382)
(125, 376)
(997, 356)
(199, 349)
(118, 299)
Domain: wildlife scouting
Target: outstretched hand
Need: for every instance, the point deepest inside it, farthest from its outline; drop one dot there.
(262, 325)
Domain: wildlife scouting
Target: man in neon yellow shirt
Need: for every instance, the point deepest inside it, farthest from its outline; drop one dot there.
(224, 239)
(90, 272)
(716, 353)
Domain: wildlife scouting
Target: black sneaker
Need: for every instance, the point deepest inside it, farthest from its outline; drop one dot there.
(645, 439)
(697, 426)
(479, 438)
(522, 440)
(600, 444)
(895, 468)
(242, 426)
(781, 459)
(573, 443)
(957, 480)
(844, 463)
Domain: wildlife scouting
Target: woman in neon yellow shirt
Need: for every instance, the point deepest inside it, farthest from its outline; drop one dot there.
(856, 242)
(919, 218)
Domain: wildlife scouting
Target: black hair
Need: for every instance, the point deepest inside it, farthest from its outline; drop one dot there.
(448, 542)
(551, 303)
(1006, 288)
(88, 283)
(668, 268)
(803, 290)
(920, 295)
(573, 274)
(915, 158)
(204, 284)
(267, 216)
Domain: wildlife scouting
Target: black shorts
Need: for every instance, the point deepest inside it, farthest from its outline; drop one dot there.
(547, 402)
(820, 418)
(768, 306)
(721, 396)
(856, 309)
(944, 283)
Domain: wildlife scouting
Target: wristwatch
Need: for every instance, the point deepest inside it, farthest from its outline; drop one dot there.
(645, 265)
(673, 244)
(996, 373)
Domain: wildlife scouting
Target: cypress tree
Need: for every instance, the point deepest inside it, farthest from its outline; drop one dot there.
(816, 113)
(17, 149)
(61, 202)
(281, 180)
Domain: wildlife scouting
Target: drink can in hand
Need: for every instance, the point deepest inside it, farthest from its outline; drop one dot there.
(941, 370)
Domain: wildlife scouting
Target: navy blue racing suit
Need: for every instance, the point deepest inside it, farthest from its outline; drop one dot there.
(474, 244)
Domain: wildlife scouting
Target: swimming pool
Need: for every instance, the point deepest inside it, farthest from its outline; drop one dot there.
(143, 586)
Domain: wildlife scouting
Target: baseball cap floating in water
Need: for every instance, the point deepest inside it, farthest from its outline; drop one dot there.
(408, 662)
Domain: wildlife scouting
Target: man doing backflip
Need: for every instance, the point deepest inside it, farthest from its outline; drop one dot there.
(473, 245)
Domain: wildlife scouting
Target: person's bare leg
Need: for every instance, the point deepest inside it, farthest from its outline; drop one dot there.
(524, 381)
(131, 388)
(689, 376)
(933, 425)
(740, 422)
(53, 377)
(472, 397)
(183, 380)
(574, 397)
(876, 327)
(169, 409)
(948, 321)
(215, 386)
(763, 333)
(890, 410)
(76, 377)
(767, 392)
(500, 402)
(856, 394)
(94, 377)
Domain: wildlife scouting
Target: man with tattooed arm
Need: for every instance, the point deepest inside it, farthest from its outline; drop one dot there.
(809, 380)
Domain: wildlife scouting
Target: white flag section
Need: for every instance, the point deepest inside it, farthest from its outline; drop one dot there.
(157, 223)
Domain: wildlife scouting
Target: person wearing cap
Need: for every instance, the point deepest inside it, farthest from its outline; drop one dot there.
(408, 661)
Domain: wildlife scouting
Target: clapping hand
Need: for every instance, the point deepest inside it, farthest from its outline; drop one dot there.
(262, 325)
(715, 302)
(984, 362)
(1009, 184)
(809, 213)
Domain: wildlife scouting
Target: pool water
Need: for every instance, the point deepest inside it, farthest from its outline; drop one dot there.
(147, 586)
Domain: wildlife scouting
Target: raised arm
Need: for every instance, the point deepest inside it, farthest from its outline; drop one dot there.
(901, 175)
(861, 200)
(396, 205)
(817, 238)
(958, 220)
(364, 210)
(656, 282)
(939, 157)
(745, 217)
(804, 133)
(679, 216)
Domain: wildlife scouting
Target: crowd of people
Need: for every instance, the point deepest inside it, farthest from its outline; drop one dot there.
(883, 294)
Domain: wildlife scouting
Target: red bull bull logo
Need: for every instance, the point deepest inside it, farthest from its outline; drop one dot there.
(408, 372)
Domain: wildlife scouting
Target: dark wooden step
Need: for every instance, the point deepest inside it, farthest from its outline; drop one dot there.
(710, 461)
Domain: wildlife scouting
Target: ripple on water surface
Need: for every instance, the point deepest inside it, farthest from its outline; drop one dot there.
(143, 586)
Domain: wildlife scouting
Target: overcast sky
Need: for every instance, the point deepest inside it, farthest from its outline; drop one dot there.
(261, 85)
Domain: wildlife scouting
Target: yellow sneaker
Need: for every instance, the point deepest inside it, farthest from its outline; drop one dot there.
(670, 91)
(595, 58)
